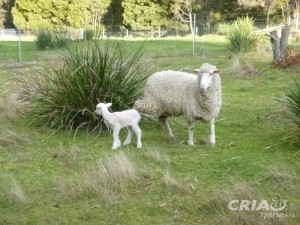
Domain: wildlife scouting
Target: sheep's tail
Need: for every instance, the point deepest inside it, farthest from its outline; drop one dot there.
(145, 107)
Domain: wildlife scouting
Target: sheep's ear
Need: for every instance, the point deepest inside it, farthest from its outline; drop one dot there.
(108, 104)
(196, 70)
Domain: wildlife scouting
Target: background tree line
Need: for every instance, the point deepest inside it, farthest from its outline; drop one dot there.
(137, 14)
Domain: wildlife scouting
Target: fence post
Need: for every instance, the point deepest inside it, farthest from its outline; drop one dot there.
(20, 49)
(194, 34)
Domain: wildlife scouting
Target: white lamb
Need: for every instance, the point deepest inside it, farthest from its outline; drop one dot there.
(118, 120)
(175, 93)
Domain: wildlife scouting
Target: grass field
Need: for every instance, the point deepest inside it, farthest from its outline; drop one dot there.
(50, 177)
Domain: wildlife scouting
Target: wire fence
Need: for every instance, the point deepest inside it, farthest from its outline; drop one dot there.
(119, 32)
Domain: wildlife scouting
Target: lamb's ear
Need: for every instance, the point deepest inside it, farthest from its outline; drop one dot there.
(196, 70)
(108, 104)
(217, 71)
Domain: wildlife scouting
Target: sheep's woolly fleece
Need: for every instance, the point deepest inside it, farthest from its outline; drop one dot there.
(175, 93)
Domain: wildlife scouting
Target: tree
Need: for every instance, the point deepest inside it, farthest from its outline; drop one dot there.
(97, 9)
(2, 14)
(183, 11)
(295, 4)
(144, 14)
(58, 14)
(267, 5)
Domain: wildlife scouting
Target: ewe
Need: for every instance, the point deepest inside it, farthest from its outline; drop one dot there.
(118, 120)
(175, 93)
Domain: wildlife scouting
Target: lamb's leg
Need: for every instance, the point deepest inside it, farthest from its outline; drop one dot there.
(138, 132)
(129, 136)
(116, 142)
(191, 133)
(165, 125)
(212, 137)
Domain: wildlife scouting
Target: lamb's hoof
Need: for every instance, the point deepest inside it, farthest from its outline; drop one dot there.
(126, 143)
(114, 147)
(139, 146)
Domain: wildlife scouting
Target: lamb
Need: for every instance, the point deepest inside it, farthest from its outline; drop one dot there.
(175, 93)
(118, 120)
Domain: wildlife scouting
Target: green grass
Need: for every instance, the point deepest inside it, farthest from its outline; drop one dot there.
(50, 177)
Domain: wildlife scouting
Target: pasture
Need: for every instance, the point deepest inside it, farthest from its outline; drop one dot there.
(56, 177)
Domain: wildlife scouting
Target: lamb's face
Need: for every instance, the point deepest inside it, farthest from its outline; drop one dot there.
(102, 106)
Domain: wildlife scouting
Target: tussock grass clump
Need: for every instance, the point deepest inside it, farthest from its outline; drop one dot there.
(65, 98)
(241, 35)
(293, 104)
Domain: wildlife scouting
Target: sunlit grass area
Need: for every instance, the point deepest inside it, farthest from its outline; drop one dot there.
(57, 177)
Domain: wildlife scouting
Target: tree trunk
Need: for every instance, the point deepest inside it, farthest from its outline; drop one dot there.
(191, 23)
(279, 44)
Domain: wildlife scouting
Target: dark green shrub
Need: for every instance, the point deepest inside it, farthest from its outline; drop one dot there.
(89, 34)
(60, 39)
(66, 97)
(44, 40)
(241, 35)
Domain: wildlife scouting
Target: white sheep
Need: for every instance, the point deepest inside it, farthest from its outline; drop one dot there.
(118, 120)
(175, 93)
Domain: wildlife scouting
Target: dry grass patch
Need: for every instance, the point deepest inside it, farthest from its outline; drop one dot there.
(281, 176)
(13, 191)
(156, 155)
(108, 179)
(244, 68)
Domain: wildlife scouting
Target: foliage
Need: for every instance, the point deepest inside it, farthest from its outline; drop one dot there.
(60, 39)
(143, 15)
(44, 40)
(58, 14)
(66, 97)
(293, 103)
(223, 28)
(241, 35)
(89, 34)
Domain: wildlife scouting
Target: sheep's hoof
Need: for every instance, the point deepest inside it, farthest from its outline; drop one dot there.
(191, 143)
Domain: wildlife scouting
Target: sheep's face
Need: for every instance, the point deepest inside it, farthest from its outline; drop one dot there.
(205, 81)
(206, 76)
(100, 107)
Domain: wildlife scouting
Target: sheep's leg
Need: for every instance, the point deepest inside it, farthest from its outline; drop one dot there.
(116, 142)
(212, 137)
(191, 134)
(138, 132)
(165, 125)
(129, 136)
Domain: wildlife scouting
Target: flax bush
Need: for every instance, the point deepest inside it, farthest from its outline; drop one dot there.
(293, 103)
(66, 97)
(241, 35)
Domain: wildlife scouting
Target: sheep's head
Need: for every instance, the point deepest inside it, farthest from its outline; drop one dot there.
(206, 72)
(102, 106)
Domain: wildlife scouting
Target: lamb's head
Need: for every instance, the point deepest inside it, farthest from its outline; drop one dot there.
(206, 72)
(102, 106)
